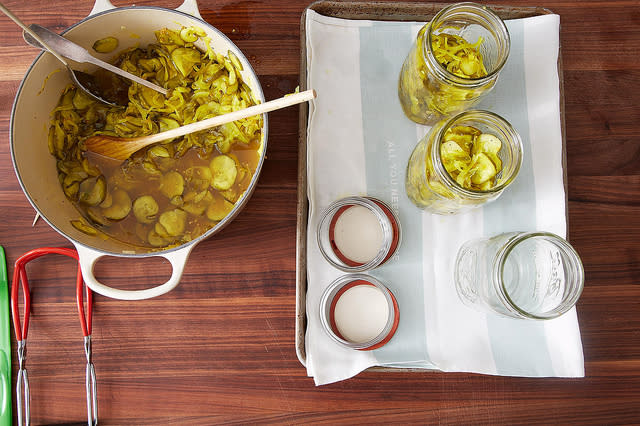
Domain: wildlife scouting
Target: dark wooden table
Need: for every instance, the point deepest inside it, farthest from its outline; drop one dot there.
(220, 347)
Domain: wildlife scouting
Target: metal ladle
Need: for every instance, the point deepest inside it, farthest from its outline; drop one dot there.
(35, 35)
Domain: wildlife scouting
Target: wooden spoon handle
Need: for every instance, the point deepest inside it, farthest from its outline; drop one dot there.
(123, 148)
(283, 102)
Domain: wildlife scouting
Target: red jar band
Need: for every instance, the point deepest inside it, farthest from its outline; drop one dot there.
(338, 290)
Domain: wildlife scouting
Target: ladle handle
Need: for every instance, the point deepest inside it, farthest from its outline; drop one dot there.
(79, 54)
(88, 258)
(125, 74)
(35, 36)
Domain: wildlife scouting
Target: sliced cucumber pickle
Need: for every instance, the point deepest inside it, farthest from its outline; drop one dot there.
(224, 172)
(471, 157)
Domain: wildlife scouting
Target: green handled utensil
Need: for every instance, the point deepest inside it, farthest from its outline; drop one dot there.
(5, 345)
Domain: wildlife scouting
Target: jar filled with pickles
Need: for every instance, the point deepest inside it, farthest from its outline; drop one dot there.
(453, 63)
(463, 162)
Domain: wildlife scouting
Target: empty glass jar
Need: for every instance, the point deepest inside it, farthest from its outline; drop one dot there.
(454, 61)
(526, 275)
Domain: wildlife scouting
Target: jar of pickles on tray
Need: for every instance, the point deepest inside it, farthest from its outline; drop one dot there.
(463, 162)
(454, 61)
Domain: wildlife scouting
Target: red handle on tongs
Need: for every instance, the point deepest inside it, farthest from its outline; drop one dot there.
(85, 321)
(20, 276)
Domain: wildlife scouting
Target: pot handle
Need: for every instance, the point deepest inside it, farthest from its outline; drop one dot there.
(101, 6)
(88, 258)
(188, 6)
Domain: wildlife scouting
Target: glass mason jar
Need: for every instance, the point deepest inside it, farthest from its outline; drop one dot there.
(428, 91)
(429, 185)
(526, 275)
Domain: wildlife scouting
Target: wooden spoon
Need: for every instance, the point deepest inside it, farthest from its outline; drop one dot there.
(122, 148)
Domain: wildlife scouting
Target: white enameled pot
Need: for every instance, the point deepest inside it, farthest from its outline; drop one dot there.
(38, 95)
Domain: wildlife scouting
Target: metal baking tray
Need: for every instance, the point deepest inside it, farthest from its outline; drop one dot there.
(378, 11)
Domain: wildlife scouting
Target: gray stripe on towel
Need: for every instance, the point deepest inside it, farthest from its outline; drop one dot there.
(387, 151)
(512, 344)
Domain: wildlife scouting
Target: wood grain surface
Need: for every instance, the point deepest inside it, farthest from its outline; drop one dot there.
(220, 347)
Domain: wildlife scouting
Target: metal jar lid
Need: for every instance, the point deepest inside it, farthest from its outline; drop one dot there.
(379, 212)
(359, 312)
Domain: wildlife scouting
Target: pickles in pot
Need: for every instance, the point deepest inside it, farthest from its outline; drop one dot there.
(145, 209)
(224, 172)
(197, 206)
(93, 191)
(172, 184)
(81, 226)
(121, 206)
(173, 222)
(106, 45)
(174, 189)
(218, 209)
(185, 59)
(198, 177)
(155, 239)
